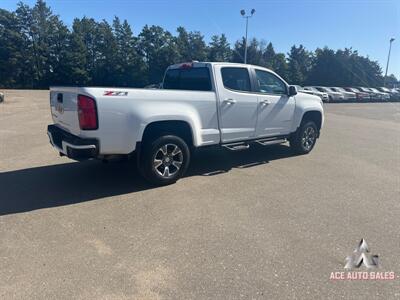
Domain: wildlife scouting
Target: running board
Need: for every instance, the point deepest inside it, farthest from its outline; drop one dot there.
(266, 142)
(236, 146)
(243, 145)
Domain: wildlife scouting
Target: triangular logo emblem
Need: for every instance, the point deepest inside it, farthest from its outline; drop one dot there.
(361, 256)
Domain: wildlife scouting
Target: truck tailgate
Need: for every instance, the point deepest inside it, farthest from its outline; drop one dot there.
(64, 108)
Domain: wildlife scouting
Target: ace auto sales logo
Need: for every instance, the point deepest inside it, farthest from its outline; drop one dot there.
(363, 265)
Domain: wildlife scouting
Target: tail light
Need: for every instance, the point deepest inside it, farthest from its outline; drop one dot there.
(87, 113)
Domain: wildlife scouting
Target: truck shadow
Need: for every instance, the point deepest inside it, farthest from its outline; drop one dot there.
(57, 185)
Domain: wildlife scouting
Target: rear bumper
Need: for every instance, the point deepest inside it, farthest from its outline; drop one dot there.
(71, 145)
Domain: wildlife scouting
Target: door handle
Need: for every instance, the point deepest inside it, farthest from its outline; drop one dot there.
(229, 101)
(265, 102)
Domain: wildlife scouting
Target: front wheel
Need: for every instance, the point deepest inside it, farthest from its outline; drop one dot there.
(304, 139)
(164, 160)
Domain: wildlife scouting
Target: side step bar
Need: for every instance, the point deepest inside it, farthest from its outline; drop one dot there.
(264, 142)
(237, 146)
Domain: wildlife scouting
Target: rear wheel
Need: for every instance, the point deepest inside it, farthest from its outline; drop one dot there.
(304, 139)
(165, 159)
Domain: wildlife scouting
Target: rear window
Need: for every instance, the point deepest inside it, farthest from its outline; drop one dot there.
(193, 79)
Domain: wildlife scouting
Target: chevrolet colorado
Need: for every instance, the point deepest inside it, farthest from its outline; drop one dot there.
(200, 104)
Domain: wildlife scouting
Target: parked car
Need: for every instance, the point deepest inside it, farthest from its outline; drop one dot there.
(361, 96)
(324, 96)
(384, 96)
(374, 95)
(333, 96)
(201, 104)
(394, 95)
(349, 96)
(396, 92)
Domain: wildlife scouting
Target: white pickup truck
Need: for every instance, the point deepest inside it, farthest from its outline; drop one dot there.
(199, 104)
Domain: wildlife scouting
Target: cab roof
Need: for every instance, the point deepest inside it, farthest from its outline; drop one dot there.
(197, 64)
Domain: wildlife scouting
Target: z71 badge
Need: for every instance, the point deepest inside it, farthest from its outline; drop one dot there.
(115, 93)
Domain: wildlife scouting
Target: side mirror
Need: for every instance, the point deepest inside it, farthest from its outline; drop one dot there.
(292, 90)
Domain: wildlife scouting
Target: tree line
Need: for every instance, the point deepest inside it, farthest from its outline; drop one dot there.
(38, 50)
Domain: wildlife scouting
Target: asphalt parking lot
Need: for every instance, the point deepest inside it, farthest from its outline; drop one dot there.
(258, 224)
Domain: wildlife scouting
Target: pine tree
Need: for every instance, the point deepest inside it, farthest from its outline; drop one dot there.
(219, 49)
(159, 50)
(37, 50)
(299, 64)
(191, 45)
(11, 51)
(254, 52)
(269, 56)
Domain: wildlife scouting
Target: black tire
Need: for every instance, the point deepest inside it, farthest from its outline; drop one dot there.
(153, 152)
(304, 139)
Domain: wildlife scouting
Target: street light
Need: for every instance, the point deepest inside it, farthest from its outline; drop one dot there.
(387, 64)
(243, 13)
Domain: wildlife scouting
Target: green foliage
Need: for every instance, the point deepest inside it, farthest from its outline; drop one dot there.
(254, 52)
(275, 61)
(299, 64)
(158, 49)
(219, 49)
(344, 68)
(190, 45)
(391, 80)
(38, 50)
(11, 50)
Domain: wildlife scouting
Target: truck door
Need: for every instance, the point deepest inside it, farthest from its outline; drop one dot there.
(276, 108)
(237, 103)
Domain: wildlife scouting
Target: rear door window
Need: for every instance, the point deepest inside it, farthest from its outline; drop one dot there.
(237, 79)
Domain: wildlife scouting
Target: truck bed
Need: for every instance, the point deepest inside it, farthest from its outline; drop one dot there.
(123, 113)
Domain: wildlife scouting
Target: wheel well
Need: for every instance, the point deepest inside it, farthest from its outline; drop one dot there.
(313, 116)
(178, 128)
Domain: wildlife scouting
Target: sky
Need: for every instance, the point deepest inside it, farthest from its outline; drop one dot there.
(364, 25)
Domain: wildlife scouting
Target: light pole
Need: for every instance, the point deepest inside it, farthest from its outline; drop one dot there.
(387, 64)
(243, 13)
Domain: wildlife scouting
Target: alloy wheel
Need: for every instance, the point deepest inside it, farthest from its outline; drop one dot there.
(308, 138)
(168, 160)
